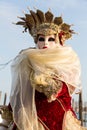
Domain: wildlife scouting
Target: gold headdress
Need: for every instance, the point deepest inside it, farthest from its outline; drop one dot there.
(44, 23)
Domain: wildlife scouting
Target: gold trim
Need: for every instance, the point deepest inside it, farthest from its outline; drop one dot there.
(61, 104)
(43, 124)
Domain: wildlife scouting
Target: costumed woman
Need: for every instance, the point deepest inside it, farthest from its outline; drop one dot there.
(45, 77)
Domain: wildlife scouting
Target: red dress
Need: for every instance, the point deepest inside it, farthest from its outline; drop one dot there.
(52, 113)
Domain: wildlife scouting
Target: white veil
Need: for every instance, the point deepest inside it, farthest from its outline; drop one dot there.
(62, 60)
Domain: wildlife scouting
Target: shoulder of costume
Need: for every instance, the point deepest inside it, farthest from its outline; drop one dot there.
(21, 55)
(22, 51)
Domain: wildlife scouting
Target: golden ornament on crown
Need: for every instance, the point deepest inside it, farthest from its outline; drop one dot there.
(44, 23)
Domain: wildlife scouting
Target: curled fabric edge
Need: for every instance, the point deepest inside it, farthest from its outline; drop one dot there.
(70, 122)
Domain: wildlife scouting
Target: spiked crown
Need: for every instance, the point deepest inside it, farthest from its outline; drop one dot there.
(44, 23)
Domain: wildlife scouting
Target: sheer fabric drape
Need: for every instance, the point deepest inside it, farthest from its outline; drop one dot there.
(33, 65)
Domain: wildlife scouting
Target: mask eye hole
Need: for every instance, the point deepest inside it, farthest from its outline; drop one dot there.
(41, 39)
(51, 39)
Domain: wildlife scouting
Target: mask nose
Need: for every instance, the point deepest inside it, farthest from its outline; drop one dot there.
(46, 42)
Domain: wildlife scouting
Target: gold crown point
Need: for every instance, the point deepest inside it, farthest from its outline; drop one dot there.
(28, 8)
(49, 10)
(23, 12)
(35, 8)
